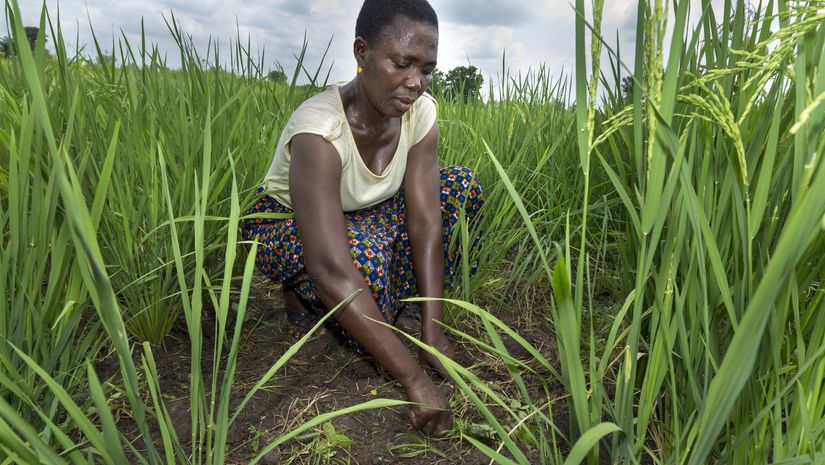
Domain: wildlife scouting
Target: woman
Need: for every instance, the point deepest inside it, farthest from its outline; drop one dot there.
(358, 166)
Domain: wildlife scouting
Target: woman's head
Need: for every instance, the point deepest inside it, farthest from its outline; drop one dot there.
(396, 45)
(375, 15)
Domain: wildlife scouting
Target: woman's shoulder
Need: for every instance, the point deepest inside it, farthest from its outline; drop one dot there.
(422, 115)
(424, 110)
(319, 114)
(425, 103)
(326, 100)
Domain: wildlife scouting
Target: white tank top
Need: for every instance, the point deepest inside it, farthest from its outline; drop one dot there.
(324, 115)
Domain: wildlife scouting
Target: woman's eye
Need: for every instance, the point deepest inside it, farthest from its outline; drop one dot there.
(400, 65)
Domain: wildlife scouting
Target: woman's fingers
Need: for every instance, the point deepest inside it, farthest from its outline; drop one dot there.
(444, 424)
(445, 428)
(421, 420)
(433, 427)
(432, 414)
(441, 424)
(428, 427)
(430, 421)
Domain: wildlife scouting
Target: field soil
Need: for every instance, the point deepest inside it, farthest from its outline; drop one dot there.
(324, 376)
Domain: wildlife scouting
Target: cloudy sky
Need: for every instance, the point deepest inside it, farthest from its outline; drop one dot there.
(478, 32)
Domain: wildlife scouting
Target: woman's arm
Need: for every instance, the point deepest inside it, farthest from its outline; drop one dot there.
(314, 186)
(422, 194)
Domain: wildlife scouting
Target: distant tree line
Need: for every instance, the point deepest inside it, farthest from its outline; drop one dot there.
(461, 82)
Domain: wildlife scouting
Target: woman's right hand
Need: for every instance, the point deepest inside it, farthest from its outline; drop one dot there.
(433, 417)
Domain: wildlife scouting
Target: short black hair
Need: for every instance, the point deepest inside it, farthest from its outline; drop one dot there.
(375, 15)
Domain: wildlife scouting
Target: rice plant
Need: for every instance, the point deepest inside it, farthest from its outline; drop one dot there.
(716, 355)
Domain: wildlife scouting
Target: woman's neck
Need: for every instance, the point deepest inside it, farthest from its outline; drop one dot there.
(361, 113)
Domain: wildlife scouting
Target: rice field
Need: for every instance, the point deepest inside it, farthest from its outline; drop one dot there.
(671, 241)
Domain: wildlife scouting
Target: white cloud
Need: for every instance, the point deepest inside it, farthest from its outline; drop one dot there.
(486, 12)
(331, 8)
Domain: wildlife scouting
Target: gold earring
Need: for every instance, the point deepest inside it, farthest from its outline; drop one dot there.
(360, 69)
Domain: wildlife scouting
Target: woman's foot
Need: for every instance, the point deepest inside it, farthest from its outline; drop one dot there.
(300, 317)
(408, 319)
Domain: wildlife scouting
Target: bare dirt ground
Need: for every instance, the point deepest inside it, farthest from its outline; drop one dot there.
(324, 376)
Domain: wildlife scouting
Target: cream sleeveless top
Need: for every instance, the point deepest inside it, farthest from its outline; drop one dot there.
(323, 114)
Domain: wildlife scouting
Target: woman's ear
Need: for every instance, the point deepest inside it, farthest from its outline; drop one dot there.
(359, 50)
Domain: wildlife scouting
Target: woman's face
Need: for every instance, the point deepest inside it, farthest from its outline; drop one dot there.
(398, 64)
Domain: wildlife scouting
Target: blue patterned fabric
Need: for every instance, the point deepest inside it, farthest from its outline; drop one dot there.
(378, 243)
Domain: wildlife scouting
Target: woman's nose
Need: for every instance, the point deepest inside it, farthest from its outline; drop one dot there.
(414, 80)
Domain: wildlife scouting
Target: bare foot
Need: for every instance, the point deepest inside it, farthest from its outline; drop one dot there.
(301, 318)
(292, 300)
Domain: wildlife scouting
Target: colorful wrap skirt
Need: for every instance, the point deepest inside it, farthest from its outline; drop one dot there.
(378, 243)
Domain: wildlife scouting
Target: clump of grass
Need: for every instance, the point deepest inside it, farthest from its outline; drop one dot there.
(715, 356)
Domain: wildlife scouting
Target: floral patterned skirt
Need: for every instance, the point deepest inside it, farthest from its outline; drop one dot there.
(378, 243)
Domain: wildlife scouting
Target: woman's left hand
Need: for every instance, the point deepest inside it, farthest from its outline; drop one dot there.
(435, 337)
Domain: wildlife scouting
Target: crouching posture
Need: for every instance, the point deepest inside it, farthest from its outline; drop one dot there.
(357, 164)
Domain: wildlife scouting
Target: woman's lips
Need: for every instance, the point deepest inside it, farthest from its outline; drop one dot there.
(404, 104)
